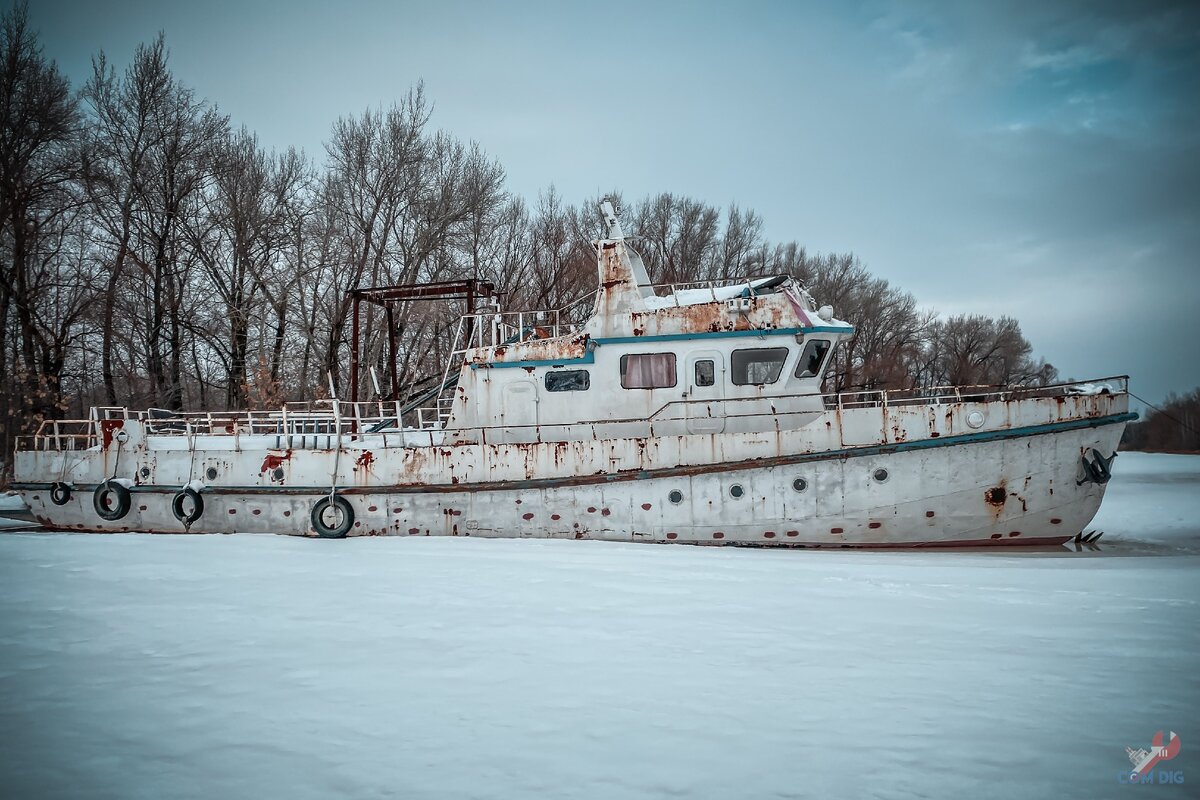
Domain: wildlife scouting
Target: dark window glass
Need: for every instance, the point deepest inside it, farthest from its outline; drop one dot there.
(569, 380)
(757, 366)
(809, 365)
(648, 371)
(706, 373)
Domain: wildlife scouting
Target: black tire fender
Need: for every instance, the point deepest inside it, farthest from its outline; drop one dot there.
(323, 506)
(177, 506)
(60, 493)
(121, 501)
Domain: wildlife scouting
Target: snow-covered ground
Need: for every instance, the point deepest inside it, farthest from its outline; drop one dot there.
(9, 503)
(137, 666)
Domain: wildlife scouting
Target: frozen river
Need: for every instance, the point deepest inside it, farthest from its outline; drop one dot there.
(137, 666)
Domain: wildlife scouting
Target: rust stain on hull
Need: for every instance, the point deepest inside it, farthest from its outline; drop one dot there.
(273, 460)
(107, 428)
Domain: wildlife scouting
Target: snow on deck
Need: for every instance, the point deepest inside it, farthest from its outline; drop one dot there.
(139, 666)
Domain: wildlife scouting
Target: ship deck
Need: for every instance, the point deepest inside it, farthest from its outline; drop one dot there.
(335, 423)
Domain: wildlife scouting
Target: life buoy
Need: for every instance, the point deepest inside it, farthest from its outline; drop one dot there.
(60, 493)
(340, 509)
(178, 509)
(111, 500)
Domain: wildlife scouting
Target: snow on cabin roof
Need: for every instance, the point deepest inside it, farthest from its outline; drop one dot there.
(761, 287)
(691, 297)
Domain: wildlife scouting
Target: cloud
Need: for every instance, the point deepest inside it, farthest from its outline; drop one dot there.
(1070, 58)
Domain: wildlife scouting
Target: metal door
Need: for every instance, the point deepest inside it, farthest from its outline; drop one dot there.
(520, 411)
(705, 380)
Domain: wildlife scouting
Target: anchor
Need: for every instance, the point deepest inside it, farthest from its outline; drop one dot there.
(1096, 468)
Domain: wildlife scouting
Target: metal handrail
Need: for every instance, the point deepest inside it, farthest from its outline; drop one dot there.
(332, 422)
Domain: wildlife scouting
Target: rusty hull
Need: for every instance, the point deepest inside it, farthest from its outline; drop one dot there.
(943, 481)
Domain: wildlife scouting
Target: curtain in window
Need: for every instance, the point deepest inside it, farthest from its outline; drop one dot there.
(648, 371)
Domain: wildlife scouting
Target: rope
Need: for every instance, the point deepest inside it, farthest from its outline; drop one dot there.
(1174, 419)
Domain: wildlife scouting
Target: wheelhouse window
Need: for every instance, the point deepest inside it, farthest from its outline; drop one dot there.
(648, 371)
(568, 380)
(706, 372)
(809, 365)
(757, 366)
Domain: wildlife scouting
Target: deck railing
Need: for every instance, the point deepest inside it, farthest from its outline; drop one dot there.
(326, 424)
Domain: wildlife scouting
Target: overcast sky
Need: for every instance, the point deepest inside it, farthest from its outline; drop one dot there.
(1040, 160)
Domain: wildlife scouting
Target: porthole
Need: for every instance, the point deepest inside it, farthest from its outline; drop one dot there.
(211, 473)
(736, 490)
(278, 473)
(145, 471)
(675, 496)
(880, 474)
(799, 484)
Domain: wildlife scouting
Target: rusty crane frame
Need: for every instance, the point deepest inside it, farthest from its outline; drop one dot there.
(388, 297)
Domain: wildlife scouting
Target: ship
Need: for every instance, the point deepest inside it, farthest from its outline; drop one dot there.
(683, 413)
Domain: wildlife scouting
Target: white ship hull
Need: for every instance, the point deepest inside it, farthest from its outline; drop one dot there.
(691, 416)
(998, 472)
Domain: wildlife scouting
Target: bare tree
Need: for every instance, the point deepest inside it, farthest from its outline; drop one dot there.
(375, 163)
(243, 238)
(974, 349)
(1172, 427)
(181, 162)
(118, 169)
(680, 236)
(741, 244)
(38, 124)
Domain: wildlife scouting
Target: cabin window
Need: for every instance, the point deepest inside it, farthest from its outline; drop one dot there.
(809, 365)
(758, 366)
(648, 371)
(568, 380)
(706, 372)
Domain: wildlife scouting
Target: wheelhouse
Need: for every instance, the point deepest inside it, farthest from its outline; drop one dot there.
(646, 353)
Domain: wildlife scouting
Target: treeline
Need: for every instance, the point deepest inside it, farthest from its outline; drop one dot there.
(153, 254)
(1175, 427)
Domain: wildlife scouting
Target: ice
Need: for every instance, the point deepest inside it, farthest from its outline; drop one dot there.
(11, 501)
(1152, 499)
(137, 666)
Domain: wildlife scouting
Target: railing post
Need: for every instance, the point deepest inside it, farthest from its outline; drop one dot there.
(354, 353)
(391, 323)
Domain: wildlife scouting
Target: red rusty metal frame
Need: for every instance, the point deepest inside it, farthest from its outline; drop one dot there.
(386, 297)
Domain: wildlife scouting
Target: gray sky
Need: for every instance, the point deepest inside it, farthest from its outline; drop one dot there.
(1036, 159)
